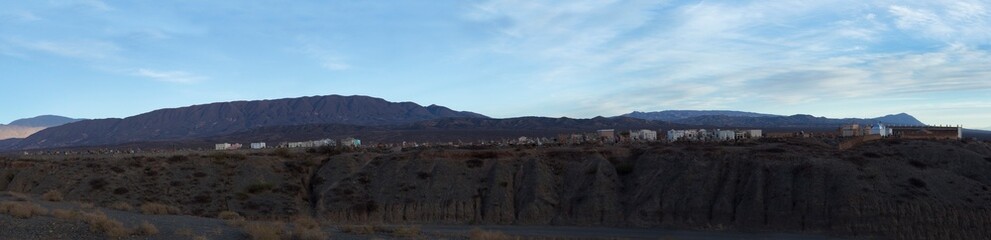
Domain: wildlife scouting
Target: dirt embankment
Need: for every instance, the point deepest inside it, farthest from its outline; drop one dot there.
(893, 189)
(897, 189)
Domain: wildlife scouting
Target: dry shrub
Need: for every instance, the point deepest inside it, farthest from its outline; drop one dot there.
(265, 230)
(232, 218)
(66, 214)
(158, 209)
(200, 238)
(87, 206)
(406, 231)
(307, 228)
(20, 197)
(147, 229)
(99, 222)
(306, 222)
(121, 206)
(358, 229)
(479, 234)
(22, 209)
(52, 196)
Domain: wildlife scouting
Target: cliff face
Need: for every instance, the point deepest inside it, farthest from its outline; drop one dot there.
(893, 189)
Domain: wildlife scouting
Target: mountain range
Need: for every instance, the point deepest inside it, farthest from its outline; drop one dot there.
(23, 128)
(376, 120)
(224, 118)
(760, 120)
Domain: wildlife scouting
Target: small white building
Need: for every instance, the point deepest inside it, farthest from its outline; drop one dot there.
(643, 135)
(351, 142)
(227, 146)
(258, 145)
(725, 135)
(880, 129)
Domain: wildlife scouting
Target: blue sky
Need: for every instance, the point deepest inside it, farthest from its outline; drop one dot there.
(504, 58)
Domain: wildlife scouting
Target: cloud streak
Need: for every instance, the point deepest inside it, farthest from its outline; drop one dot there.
(169, 76)
(717, 54)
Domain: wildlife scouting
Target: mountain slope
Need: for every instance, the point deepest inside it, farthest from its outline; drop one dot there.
(23, 128)
(230, 117)
(44, 121)
(746, 119)
(671, 115)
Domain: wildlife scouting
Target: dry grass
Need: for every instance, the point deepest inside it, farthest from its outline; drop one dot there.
(307, 228)
(22, 209)
(66, 214)
(87, 206)
(146, 229)
(232, 218)
(52, 196)
(406, 231)
(158, 209)
(99, 222)
(121, 205)
(20, 197)
(265, 230)
(200, 238)
(479, 234)
(358, 229)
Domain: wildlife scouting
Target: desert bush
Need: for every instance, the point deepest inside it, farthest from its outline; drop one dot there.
(121, 205)
(479, 234)
(86, 205)
(406, 231)
(358, 229)
(231, 218)
(22, 209)
(66, 214)
(199, 238)
(100, 223)
(52, 196)
(307, 228)
(159, 209)
(265, 230)
(146, 229)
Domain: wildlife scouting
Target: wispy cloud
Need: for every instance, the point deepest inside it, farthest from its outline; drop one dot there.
(317, 50)
(659, 54)
(80, 49)
(169, 76)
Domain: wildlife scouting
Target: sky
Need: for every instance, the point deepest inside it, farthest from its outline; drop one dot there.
(504, 58)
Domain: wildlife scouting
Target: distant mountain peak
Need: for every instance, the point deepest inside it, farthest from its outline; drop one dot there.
(228, 117)
(43, 121)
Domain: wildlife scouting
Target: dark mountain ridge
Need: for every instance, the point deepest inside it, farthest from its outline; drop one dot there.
(230, 117)
(671, 115)
(759, 120)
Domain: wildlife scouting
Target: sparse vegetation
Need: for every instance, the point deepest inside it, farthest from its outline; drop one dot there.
(52, 196)
(66, 214)
(121, 205)
(479, 234)
(358, 229)
(100, 223)
(146, 229)
(406, 231)
(307, 228)
(159, 209)
(265, 230)
(231, 218)
(22, 209)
